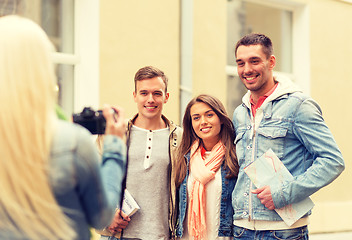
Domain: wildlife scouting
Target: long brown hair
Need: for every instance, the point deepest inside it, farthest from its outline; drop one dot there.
(227, 136)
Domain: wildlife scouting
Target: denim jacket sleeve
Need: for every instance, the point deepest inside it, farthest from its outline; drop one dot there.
(322, 158)
(113, 168)
(100, 188)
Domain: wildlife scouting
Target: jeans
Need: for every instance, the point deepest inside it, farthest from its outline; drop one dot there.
(300, 233)
(113, 238)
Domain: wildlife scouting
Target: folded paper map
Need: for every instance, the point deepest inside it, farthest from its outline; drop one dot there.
(268, 170)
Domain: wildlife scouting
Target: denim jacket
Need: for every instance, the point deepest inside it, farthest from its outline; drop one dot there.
(226, 211)
(81, 182)
(291, 124)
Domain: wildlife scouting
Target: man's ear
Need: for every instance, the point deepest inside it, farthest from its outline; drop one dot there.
(134, 96)
(166, 97)
(272, 62)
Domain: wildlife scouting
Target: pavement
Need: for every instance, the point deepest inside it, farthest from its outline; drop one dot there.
(331, 236)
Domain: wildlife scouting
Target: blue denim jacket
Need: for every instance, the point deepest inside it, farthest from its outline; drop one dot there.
(226, 211)
(291, 124)
(87, 189)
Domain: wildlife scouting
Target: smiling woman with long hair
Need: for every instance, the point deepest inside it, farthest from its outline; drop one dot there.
(206, 171)
(51, 180)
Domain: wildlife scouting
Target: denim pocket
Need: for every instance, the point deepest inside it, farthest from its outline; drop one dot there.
(240, 146)
(238, 231)
(292, 234)
(272, 137)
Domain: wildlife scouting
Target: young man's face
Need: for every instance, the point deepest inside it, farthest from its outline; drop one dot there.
(150, 97)
(255, 69)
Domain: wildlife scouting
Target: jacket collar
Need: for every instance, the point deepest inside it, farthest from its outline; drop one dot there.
(168, 123)
(285, 86)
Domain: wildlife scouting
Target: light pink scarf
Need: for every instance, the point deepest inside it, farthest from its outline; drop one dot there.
(203, 171)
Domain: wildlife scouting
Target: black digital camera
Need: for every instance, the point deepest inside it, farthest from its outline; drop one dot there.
(92, 120)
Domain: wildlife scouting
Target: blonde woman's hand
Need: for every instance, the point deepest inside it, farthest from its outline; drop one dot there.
(115, 121)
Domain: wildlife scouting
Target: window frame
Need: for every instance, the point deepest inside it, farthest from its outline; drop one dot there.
(85, 58)
(300, 42)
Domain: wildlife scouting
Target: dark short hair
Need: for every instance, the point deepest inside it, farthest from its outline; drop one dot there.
(256, 39)
(149, 72)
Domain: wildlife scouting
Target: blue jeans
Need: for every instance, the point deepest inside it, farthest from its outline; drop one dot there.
(288, 234)
(113, 238)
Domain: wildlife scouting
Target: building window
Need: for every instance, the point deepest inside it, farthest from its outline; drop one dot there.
(72, 26)
(57, 19)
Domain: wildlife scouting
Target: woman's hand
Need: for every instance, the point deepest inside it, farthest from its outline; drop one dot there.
(115, 121)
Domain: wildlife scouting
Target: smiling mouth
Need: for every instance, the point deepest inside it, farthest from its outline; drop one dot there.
(205, 130)
(249, 79)
(151, 107)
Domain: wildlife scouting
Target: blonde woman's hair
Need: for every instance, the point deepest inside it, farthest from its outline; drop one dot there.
(27, 95)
